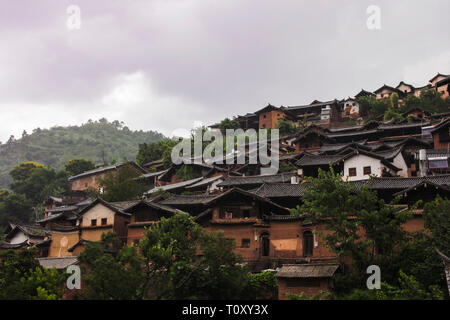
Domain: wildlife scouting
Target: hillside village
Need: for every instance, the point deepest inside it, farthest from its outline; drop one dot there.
(407, 156)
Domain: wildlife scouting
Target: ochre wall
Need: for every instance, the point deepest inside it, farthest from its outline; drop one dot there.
(61, 241)
(84, 183)
(94, 233)
(271, 119)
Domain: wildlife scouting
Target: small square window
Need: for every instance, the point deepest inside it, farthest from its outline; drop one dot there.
(367, 170)
(104, 221)
(93, 222)
(352, 172)
(85, 185)
(245, 243)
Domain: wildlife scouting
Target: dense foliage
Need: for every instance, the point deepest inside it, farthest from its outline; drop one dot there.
(429, 100)
(32, 184)
(120, 185)
(286, 127)
(347, 213)
(98, 141)
(77, 166)
(228, 124)
(22, 278)
(152, 151)
(166, 265)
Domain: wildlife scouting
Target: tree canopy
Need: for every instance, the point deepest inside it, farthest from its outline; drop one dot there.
(77, 166)
(176, 259)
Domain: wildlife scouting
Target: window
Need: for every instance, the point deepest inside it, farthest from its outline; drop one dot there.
(264, 116)
(104, 221)
(228, 215)
(245, 243)
(246, 213)
(367, 170)
(93, 222)
(85, 185)
(308, 244)
(352, 172)
(265, 244)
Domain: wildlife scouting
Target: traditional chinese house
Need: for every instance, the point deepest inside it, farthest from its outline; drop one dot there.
(90, 179)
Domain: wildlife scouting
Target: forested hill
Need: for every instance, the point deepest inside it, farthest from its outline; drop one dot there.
(99, 141)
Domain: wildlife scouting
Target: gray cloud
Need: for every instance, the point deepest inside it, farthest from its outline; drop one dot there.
(163, 64)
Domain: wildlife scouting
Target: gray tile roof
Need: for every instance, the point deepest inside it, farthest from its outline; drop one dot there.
(32, 231)
(277, 190)
(152, 174)
(251, 180)
(313, 160)
(106, 168)
(175, 185)
(401, 126)
(123, 205)
(282, 217)
(205, 182)
(402, 183)
(7, 245)
(307, 270)
(348, 134)
(58, 263)
(186, 200)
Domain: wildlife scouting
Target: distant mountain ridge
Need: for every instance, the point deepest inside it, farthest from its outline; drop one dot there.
(99, 141)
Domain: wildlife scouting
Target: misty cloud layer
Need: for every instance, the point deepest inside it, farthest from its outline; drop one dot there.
(164, 64)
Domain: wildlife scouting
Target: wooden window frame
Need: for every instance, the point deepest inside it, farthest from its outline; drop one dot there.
(350, 171)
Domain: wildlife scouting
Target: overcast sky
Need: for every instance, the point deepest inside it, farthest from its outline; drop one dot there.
(167, 64)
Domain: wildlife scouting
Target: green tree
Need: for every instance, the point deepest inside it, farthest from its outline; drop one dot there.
(186, 173)
(175, 271)
(358, 225)
(429, 100)
(408, 288)
(77, 166)
(149, 152)
(22, 278)
(394, 101)
(110, 274)
(286, 127)
(37, 182)
(262, 286)
(24, 170)
(228, 124)
(419, 257)
(392, 114)
(372, 108)
(120, 185)
(436, 215)
(14, 208)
